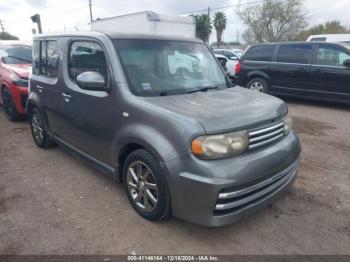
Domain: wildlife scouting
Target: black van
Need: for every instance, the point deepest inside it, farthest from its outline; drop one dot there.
(315, 70)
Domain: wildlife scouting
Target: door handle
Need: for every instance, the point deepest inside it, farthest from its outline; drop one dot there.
(66, 97)
(40, 88)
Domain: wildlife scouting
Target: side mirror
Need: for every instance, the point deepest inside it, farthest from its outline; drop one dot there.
(90, 80)
(346, 63)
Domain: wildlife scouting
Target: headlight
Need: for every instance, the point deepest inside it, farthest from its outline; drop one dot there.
(220, 146)
(18, 81)
(288, 124)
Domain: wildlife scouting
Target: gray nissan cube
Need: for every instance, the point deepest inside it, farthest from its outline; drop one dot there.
(159, 114)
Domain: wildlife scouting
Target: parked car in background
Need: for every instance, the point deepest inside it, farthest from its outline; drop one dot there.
(232, 54)
(223, 61)
(315, 70)
(193, 146)
(335, 38)
(233, 58)
(15, 67)
(238, 52)
(180, 63)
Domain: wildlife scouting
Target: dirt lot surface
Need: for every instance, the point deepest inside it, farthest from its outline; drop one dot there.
(54, 203)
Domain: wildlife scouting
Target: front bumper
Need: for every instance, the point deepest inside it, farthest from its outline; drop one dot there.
(216, 193)
(20, 96)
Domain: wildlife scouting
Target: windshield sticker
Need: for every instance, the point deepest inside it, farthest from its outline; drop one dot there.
(146, 86)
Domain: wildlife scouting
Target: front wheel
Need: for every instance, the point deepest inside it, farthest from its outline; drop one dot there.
(10, 107)
(39, 133)
(258, 85)
(146, 186)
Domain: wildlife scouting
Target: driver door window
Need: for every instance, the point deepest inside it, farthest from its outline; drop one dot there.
(331, 56)
(86, 56)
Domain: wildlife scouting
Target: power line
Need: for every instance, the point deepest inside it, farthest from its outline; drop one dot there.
(222, 7)
(74, 10)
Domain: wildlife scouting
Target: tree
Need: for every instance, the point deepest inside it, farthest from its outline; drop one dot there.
(273, 21)
(7, 36)
(331, 27)
(220, 22)
(203, 27)
(222, 43)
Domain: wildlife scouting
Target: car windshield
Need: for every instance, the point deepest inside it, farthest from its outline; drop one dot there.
(239, 53)
(163, 67)
(17, 55)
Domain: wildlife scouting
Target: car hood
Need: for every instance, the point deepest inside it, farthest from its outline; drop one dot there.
(22, 70)
(224, 110)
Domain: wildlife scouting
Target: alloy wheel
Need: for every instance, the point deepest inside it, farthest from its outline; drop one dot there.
(142, 186)
(257, 87)
(37, 127)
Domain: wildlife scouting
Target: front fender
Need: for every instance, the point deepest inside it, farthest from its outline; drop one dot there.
(33, 101)
(149, 138)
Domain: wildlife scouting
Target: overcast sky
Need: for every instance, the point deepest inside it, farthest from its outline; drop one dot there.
(60, 15)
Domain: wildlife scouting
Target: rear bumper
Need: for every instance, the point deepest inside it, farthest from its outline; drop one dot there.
(225, 191)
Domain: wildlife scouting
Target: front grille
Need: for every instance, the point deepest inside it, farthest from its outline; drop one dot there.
(236, 200)
(24, 98)
(267, 135)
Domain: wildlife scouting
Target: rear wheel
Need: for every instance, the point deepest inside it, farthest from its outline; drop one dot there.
(146, 186)
(258, 84)
(9, 105)
(39, 133)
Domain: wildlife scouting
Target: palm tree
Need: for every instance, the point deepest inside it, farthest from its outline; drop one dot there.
(220, 22)
(203, 27)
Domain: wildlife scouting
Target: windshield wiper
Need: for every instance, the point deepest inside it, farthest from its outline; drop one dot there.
(203, 89)
(19, 58)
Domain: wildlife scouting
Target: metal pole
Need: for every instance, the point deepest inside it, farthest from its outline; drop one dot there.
(2, 28)
(208, 25)
(39, 25)
(90, 11)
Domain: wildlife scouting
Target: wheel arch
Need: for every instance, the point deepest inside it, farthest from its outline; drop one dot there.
(34, 102)
(257, 74)
(124, 151)
(3, 86)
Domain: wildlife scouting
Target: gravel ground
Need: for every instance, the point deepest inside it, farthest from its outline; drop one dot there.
(54, 203)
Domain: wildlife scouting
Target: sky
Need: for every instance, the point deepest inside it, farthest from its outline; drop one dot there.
(69, 15)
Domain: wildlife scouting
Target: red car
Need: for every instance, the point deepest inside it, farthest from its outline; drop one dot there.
(15, 67)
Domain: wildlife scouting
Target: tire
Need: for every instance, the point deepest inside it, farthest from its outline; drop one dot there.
(258, 84)
(10, 107)
(145, 182)
(39, 133)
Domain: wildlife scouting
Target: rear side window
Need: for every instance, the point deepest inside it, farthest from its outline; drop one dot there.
(36, 58)
(259, 53)
(53, 57)
(331, 56)
(86, 56)
(43, 60)
(49, 58)
(298, 54)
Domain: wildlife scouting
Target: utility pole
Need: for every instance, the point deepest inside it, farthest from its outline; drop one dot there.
(2, 27)
(90, 11)
(208, 25)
